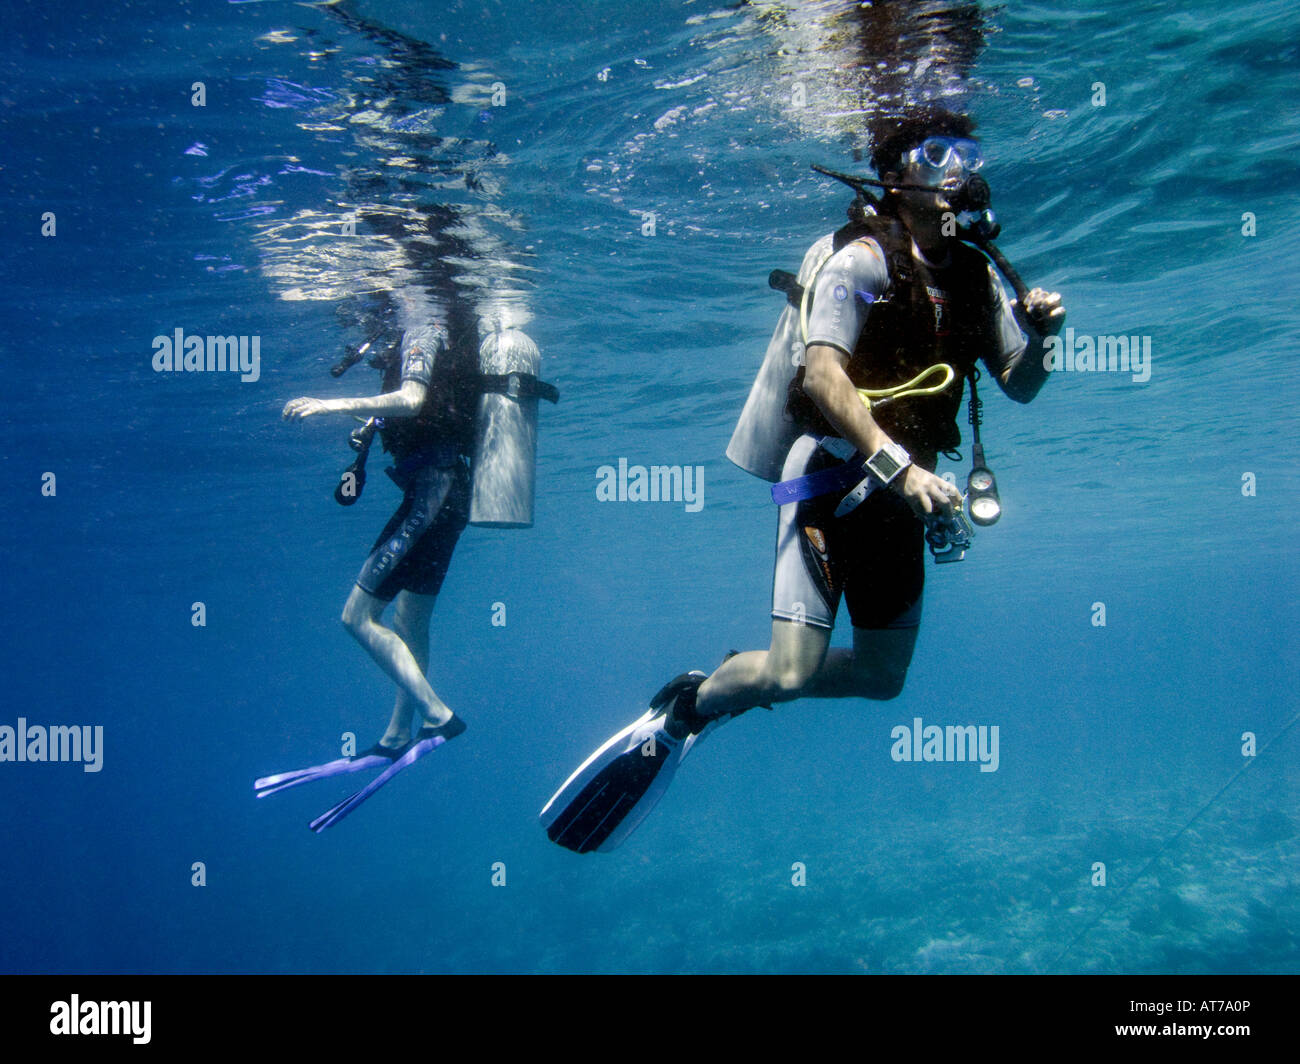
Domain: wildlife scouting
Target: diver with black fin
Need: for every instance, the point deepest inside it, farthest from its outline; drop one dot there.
(892, 313)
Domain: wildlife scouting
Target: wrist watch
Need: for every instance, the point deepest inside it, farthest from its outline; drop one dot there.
(882, 468)
(888, 462)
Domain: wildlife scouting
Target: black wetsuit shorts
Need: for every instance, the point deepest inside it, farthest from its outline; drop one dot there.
(873, 556)
(414, 550)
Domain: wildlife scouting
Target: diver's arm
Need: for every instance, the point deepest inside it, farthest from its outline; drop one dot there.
(1023, 374)
(845, 290)
(402, 403)
(827, 384)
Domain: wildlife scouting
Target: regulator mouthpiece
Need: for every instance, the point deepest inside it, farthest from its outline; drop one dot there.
(975, 221)
(973, 194)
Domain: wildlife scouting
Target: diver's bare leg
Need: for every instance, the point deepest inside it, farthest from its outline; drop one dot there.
(761, 677)
(875, 668)
(798, 665)
(411, 616)
(391, 653)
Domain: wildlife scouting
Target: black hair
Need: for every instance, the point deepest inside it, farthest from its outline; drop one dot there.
(893, 136)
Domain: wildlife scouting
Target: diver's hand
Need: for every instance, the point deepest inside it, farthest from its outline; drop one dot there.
(925, 493)
(304, 406)
(1042, 312)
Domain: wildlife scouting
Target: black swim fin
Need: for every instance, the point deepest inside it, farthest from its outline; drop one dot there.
(615, 789)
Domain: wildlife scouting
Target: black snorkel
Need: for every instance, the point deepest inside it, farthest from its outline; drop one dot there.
(350, 359)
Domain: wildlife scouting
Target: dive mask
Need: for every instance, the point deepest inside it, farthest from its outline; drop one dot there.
(935, 153)
(969, 196)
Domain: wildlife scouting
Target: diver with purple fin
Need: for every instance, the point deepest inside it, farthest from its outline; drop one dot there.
(441, 319)
(450, 405)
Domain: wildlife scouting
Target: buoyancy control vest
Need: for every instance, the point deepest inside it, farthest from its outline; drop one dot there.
(926, 315)
(445, 421)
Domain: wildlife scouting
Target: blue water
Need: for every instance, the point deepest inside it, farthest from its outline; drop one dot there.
(184, 488)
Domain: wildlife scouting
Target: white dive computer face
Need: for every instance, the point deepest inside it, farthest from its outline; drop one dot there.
(886, 463)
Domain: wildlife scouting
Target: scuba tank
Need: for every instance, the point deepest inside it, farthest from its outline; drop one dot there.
(766, 432)
(505, 429)
(505, 440)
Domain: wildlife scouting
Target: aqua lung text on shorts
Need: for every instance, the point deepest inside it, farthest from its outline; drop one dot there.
(638, 483)
(179, 353)
(1098, 354)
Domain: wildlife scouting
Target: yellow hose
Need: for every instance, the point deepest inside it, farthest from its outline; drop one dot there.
(912, 387)
(899, 391)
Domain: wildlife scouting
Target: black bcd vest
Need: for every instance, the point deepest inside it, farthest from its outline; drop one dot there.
(926, 315)
(447, 416)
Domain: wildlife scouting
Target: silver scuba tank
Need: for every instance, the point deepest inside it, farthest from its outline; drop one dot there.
(765, 432)
(505, 447)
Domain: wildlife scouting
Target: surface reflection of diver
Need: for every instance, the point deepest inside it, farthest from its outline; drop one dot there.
(855, 62)
(857, 396)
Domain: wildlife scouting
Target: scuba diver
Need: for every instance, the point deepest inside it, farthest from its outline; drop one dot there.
(857, 397)
(415, 261)
(447, 399)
